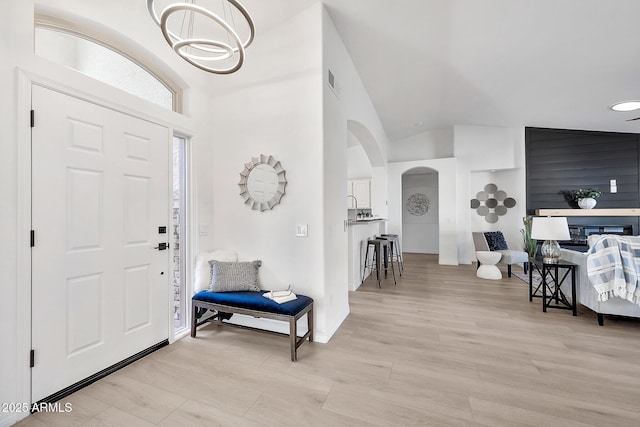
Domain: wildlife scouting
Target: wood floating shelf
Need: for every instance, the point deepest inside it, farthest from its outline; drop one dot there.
(589, 212)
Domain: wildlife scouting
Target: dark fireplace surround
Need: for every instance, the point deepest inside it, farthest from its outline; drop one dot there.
(580, 233)
(558, 160)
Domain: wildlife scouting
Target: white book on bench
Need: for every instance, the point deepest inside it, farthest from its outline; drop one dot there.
(280, 296)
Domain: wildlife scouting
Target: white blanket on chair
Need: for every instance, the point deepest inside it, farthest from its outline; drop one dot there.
(613, 264)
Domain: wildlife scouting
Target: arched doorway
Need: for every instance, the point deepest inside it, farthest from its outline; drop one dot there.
(366, 183)
(420, 205)
(366, 167)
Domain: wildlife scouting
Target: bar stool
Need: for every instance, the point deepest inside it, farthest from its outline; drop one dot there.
(395, 239)
(391, 254)
(380, 251)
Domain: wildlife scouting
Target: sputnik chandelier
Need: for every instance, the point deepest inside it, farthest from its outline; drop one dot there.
(206, 37)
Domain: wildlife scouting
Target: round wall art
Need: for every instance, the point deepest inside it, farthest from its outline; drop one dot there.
(418, 204)
(492, 203)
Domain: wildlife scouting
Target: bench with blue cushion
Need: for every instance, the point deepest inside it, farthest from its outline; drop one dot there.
(254, 304)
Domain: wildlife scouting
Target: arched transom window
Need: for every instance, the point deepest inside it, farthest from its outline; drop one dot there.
(102, 63)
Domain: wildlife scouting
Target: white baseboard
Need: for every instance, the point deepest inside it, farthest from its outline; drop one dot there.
(283, 327)
(267, 324)
(325, 338)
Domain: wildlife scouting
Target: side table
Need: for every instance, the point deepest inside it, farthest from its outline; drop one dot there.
(488, 268)
(553, 276)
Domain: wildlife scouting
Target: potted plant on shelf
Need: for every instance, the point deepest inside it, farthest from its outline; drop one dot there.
(586, 198)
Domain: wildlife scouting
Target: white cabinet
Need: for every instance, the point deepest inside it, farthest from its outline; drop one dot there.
(361, 190)
(351, 204)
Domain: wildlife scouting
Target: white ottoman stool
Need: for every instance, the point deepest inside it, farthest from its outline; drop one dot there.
(488, 261)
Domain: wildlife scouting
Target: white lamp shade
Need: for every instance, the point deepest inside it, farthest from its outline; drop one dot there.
(550, 228)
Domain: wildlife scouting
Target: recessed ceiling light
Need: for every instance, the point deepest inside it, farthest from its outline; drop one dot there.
(626, 106)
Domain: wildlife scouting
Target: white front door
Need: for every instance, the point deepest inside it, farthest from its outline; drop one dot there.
(100, 193)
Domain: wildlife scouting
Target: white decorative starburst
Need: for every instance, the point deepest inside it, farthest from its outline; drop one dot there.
(281, 184)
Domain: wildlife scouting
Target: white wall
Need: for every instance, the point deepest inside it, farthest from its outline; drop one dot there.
(511, 223)
(362, 119)
(273, 106)
(280, 104)
(347, 104)
(420, 233)
(487, 153)
(488, 147)
(432, 144)
(336, 238)
(14, 39)
(358, 164)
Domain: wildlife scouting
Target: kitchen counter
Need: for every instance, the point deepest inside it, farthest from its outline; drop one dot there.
(365, 221)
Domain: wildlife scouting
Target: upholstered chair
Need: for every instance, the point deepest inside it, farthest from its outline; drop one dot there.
(494, 241)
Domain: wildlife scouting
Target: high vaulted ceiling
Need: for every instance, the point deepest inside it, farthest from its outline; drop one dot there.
(431, 64)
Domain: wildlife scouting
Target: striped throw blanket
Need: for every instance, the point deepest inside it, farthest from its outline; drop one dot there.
(613, 267)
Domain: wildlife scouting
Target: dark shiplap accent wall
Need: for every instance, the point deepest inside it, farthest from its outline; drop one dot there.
(558, 160)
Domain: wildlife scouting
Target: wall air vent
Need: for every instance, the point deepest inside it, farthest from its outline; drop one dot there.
(333, 84)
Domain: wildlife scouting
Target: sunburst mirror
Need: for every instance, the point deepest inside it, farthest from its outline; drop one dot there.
(262, 183)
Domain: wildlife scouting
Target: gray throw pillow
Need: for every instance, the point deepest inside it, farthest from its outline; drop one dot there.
(234, 276)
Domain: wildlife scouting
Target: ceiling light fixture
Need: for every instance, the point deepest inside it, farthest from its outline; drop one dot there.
(214, 48)
(626, 106)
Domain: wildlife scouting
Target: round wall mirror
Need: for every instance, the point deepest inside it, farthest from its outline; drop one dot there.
(262, 183)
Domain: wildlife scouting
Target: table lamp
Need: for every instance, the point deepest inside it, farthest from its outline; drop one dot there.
(550, 229)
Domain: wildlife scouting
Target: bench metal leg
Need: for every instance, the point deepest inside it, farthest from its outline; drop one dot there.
(293, 338)
(310, 324)
(296, 342)
(194, 319)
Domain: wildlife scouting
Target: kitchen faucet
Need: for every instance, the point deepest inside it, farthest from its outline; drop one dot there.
(354, 198)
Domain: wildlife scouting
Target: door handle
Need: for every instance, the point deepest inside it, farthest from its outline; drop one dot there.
(162, 246)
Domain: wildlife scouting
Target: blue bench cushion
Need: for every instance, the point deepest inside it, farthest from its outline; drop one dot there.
(254, 301)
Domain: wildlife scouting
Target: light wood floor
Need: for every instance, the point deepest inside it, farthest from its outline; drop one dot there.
(440, 348)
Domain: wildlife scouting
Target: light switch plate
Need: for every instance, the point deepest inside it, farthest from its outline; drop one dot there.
(203, 229)
(301, 230)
